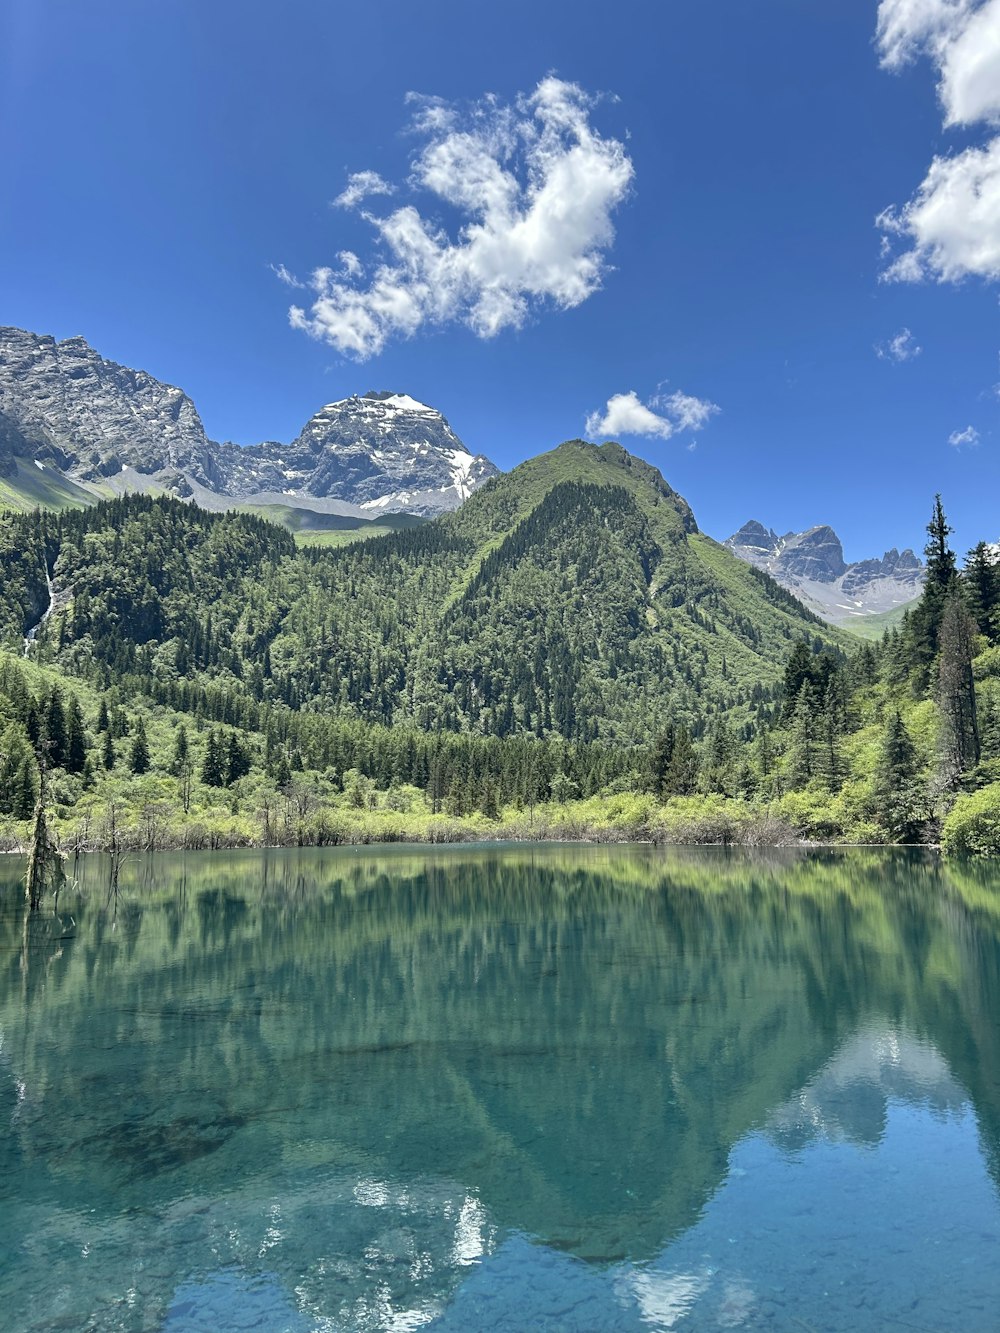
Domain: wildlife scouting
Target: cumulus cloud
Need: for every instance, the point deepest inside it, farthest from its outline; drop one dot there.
(627, 414)
(901, 347)
(534, 185)
(360, 185)
(950, 229)
(958, 439)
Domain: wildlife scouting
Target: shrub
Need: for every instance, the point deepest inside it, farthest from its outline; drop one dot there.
(973, 826)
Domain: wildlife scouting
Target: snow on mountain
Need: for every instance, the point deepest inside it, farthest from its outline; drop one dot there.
(111, 429)
(380, 451)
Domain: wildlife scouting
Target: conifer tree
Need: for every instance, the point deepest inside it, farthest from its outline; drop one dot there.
(925, 620)
(24, 791)
(213, 769)
(982, 585)
(800, 753)
(237, 759)
(54, 728)
(103, 720)
(898, 806)
(138, 758)
(956, 694)
(659, 761)
(179, 759)
(76, 737)
(108, 752)
(682, 773)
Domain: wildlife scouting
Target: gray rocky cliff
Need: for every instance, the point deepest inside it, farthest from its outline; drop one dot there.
(109, 428)
(811, 565)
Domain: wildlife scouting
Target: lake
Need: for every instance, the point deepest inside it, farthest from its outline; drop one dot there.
(525, 1089)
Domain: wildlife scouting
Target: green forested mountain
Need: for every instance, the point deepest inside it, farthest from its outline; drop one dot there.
(573, 597)
(568, 635)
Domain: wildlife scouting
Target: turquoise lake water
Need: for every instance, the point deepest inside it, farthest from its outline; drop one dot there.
(523, 1089)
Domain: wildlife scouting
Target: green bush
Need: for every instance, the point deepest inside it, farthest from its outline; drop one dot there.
(973, 826)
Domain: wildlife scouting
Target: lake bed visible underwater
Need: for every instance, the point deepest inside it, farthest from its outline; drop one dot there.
(520, 1088)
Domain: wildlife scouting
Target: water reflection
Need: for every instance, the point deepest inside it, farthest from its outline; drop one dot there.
(567, 1087)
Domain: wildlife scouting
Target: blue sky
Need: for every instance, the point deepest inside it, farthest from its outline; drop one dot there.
(161, 160)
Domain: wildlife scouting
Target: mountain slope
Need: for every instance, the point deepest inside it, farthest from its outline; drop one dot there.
(811, 565)
(573, 597)
(106, 430)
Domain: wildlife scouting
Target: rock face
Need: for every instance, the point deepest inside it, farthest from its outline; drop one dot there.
(811, 565)
(383, 452)
(111, 429)
(90, 417)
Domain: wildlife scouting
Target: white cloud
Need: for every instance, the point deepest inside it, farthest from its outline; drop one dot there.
(289, 279)
(953, 222)
(686, 412)
(899, 348)
(908, 27)
(361, 185)
(959, 438)
(950, 229)
(536, 185)
(627, 414)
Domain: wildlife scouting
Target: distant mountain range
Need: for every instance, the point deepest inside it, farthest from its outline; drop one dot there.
(75, 427)
(811, 565)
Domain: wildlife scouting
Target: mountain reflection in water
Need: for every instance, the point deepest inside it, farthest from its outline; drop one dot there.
(525, 1088)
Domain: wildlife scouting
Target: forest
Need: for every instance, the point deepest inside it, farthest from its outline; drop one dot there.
(564, 657)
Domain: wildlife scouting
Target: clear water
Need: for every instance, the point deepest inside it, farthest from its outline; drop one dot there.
(528, 1089)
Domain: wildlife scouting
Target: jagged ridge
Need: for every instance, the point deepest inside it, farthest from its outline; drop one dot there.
(811, 565)
(108, 429)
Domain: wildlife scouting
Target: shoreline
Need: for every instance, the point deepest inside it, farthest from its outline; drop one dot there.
(797, 844)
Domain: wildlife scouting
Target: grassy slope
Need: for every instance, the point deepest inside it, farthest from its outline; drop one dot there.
(874, 626)
(37, 488)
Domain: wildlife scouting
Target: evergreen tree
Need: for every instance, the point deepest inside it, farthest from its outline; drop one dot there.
(798, 675)
(828, 762)
(103, 720)
(25, 790)
(179, 760)
(898, 806)
(659, 761)
(801, 749)
(54, 730)
(925, 620)
(138, 757)
(981, 580)
(108, 752)
(489, 804)
(956, 694)
(213, 769)
(682, 773)
(237, 761)
(76, 737)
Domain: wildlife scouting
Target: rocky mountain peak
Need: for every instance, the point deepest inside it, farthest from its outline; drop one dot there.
(755, 536)
(815, 554)
(91, 417)
(811, 565)
(100, 423)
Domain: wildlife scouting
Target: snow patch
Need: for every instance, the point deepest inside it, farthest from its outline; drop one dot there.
(40, 466)
(404, 403)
